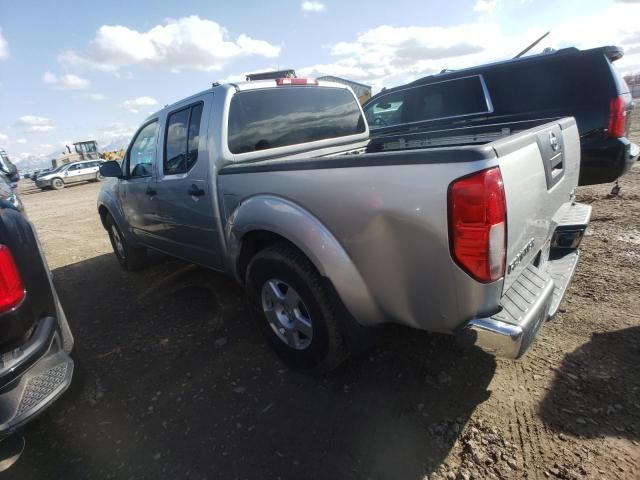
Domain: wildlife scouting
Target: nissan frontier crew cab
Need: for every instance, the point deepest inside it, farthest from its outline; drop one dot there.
(472, 232)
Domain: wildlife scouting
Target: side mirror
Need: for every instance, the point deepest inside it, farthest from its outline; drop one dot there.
(111, 169)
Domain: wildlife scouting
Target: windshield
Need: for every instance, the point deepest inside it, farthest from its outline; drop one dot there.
(88, 147)
(57, 169)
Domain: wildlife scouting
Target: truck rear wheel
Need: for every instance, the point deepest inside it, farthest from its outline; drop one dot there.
(296, 313)
(131, 258)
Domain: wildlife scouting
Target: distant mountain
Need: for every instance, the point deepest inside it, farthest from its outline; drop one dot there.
(114, 144)
(32, 162)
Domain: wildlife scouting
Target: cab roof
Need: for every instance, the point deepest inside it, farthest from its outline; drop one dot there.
(246, 86)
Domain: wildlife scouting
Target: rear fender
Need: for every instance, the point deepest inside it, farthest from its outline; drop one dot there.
(306, 232)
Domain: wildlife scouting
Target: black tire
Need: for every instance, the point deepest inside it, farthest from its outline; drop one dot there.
(98, 178)
(131, 258)
(328, 347)
(57, 184)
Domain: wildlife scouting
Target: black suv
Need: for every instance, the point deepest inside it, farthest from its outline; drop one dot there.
(35, 340)
(568, 82)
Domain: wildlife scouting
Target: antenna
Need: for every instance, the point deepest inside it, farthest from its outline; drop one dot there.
(531, 46)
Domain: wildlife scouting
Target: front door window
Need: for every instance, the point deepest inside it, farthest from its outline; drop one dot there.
(142, 153)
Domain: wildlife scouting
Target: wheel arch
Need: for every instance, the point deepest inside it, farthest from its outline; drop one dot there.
(104, 209)
(261, 221)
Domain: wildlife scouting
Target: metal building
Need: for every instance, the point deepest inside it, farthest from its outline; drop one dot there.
(362, 91)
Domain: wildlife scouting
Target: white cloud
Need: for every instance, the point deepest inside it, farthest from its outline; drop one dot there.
(96, 97)
(116, 130)
(312, 7)
(235, 78)
(391, 55)
(4, 47)
(4, 139)
(136, 104)
(114, 136)
(65, 82)
(185, 43)
(21, 140)
(388, 55)
(485, 6)
(34, 123)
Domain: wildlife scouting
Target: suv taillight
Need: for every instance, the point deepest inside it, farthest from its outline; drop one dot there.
(478, 224)
(11, 287)
(617, 117)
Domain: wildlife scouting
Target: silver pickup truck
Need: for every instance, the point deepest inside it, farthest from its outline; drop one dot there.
(470, 231)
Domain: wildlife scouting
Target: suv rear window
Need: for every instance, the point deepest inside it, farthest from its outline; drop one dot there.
(445, 99)
(552, 86)
(284, 116)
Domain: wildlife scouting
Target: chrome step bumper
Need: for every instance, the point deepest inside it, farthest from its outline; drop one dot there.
(535, 296)
(571, 227)
(525, 306)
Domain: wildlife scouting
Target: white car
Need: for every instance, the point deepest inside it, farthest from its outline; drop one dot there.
(86, 171)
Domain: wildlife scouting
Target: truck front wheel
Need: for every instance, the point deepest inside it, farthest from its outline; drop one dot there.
(296, 313)
(131, 258)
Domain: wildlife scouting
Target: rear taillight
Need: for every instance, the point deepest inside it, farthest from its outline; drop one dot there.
(617, 117)
(11, 287)
(296, 81)
(478, 224)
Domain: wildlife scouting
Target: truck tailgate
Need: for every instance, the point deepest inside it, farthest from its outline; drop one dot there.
(540, 170)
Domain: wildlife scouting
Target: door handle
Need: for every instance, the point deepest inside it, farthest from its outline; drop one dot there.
(194, 191)
(150, 191)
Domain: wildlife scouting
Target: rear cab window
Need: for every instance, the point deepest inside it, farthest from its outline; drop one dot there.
(264, 119)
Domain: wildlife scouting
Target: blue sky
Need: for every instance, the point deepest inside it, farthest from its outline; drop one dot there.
(74, 70)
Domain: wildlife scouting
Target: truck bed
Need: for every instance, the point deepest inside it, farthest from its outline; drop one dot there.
(481, 132)
(387, 211)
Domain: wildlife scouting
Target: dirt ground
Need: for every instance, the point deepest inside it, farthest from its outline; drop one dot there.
(173, 381)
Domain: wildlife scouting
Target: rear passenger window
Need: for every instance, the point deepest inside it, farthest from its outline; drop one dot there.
(453, 98)
(443, 99)
(182, 139)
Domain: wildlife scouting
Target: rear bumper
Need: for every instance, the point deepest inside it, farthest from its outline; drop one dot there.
(35, 377)
(35, 374)
(532, 299)
(603, 161)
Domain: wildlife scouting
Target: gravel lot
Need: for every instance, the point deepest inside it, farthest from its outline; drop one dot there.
(173, 381)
